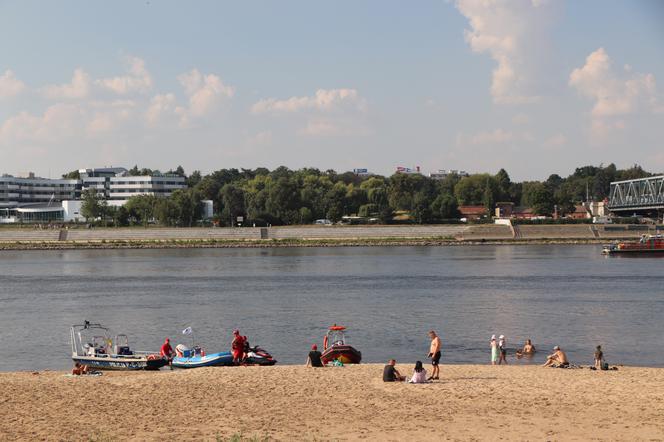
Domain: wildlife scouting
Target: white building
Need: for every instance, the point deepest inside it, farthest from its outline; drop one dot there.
(34, 199)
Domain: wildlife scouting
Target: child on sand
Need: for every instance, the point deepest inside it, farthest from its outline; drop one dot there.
(419, 374)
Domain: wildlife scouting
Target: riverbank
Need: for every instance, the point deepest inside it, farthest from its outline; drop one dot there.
(470, 402)
(224, 244)
(312, 236)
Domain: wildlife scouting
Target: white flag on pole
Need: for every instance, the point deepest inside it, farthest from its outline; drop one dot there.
(187, 331)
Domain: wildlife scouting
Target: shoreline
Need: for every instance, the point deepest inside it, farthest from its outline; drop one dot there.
(286, 243)
(470, 402)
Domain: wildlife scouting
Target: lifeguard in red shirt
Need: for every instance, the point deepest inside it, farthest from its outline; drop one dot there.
(167, 352)
(237, 347)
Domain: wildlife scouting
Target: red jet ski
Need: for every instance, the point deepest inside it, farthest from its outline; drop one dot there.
(335, 347)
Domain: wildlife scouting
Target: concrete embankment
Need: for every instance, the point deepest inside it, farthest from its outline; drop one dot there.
(303, 236)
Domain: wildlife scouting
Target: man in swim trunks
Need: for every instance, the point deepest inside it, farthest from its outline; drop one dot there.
(237, 347)
(434, 354)
(559, 358)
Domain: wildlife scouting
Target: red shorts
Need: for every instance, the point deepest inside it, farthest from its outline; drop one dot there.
(237, 354)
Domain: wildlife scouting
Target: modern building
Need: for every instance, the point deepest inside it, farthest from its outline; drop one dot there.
(16, 191)
(441, 174)
(34, 199)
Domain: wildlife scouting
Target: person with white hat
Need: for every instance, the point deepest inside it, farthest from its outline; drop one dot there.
(494, 350)
(559, 358)
(503, 351)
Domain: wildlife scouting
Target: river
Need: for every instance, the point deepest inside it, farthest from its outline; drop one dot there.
(389, 297)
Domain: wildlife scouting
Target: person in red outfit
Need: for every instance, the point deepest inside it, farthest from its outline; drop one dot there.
(167, 352)
(237, 347)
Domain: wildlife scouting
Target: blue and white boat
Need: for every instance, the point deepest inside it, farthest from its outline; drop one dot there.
(196, 357)
(94, 346)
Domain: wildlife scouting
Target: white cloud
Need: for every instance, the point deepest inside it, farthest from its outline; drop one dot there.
(78, 88)
(205, 92)
(160, 105)
(323, 100)
(138, 79)
(58, 121)
(63, 121)
(616, 93)
(10, 86)
(512, 32)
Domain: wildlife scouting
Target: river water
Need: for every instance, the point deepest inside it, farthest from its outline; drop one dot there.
(388, 297)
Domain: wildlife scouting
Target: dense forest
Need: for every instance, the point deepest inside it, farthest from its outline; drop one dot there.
(284, 196)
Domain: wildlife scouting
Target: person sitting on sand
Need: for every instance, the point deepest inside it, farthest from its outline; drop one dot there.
(391, 374)
(419, 374)
(599, 357)
(79, 369)
(557, 359)
(314, 358)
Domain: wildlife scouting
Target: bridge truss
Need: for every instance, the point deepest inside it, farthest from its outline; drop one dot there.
(634, 195)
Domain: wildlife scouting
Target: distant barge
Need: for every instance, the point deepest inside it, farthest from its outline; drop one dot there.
(648, 244)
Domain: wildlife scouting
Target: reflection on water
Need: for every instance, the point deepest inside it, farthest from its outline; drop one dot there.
(389, 297)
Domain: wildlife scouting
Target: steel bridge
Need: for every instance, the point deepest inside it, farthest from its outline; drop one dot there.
(644, 194)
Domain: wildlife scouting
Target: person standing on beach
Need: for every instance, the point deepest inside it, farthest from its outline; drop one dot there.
(599, 357)
(503, 350)
(494, 350)
(237, 347)
(434, 354)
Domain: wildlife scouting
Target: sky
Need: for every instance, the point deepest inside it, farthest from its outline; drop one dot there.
(533, 86)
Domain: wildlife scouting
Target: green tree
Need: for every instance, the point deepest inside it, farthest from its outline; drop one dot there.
(540, 198)
(471, 190)
(91, 205)
(233, 201)
(445, 207)
(141, 208)
(73, 175)
(193, 179)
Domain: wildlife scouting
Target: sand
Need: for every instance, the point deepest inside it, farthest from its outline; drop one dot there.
(346, 403)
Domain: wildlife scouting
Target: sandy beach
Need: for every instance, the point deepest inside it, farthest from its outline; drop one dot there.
(347, 403)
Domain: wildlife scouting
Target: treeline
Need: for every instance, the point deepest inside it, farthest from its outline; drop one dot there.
(284, 196)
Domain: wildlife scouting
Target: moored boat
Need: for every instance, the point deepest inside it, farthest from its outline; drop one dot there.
(94, 345)
(196, 357)
(336, 348)
(646, 245)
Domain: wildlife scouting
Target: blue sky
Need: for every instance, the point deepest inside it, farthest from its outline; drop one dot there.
(534, 86)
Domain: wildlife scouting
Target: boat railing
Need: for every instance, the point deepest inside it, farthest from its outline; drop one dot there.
(134, 355)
